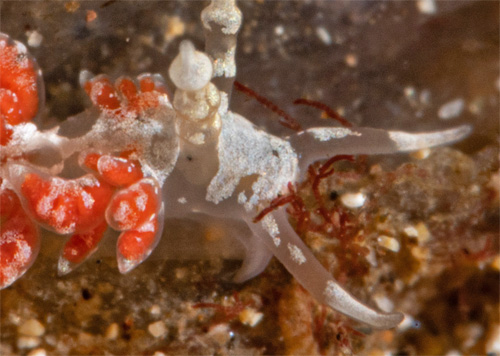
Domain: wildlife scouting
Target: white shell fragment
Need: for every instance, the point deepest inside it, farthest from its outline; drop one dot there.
(353, 200)
(250, 317)
(389, 243)
(157, 329)
(31, 327)
(411, 231)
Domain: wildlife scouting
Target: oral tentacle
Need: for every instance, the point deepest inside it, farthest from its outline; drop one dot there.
(255, 261)
(287, 246)
(321, 142)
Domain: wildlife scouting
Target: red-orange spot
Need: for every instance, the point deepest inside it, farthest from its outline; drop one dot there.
(119, 171)
(128, 153)
(90, 161)
(19, 239)
(147, 84)
(9, 203)
(5, 132)
(125, 97)
(18, 85)
(66, 206)
(133, 206)
(102, 93)
(80, 246)
(127, 88)
(134, 244)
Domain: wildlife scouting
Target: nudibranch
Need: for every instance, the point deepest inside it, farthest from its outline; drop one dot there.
(138, 156)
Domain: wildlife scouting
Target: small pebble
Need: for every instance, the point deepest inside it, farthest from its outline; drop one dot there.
(279, 30)
(157, 329)
(91, 16)
(351, 60)
(112, 332)
(181, 273)
(421, 154)
(72, 6)
(250, 317)
(37, 352)
(353, 200)
(220, 333)
(423, 233)
(34, 39)
(323, 35)
(31, 327)
(420, 253)
(155, 310)
(411, 231)
(389, 243)
(493, 340)
(85, 338)
(425, 97)
(496, 264)
(451, 109)
(427, 6)
(159, 353)
(470, 334)
(410, 92)
(378, 352)
(175, 28)
(28, 342)
(14, 318)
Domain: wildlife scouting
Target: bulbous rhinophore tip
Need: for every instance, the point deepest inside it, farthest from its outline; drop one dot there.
(191, 70)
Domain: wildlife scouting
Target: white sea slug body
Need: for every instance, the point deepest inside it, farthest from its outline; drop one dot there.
(243, 151)
(212, 163)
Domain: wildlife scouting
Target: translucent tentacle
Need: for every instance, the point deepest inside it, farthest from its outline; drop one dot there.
(287, 246)
(255, 261)
(322, 142)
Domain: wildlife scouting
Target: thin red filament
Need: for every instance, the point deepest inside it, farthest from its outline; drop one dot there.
(329, 111)
(286, 120)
